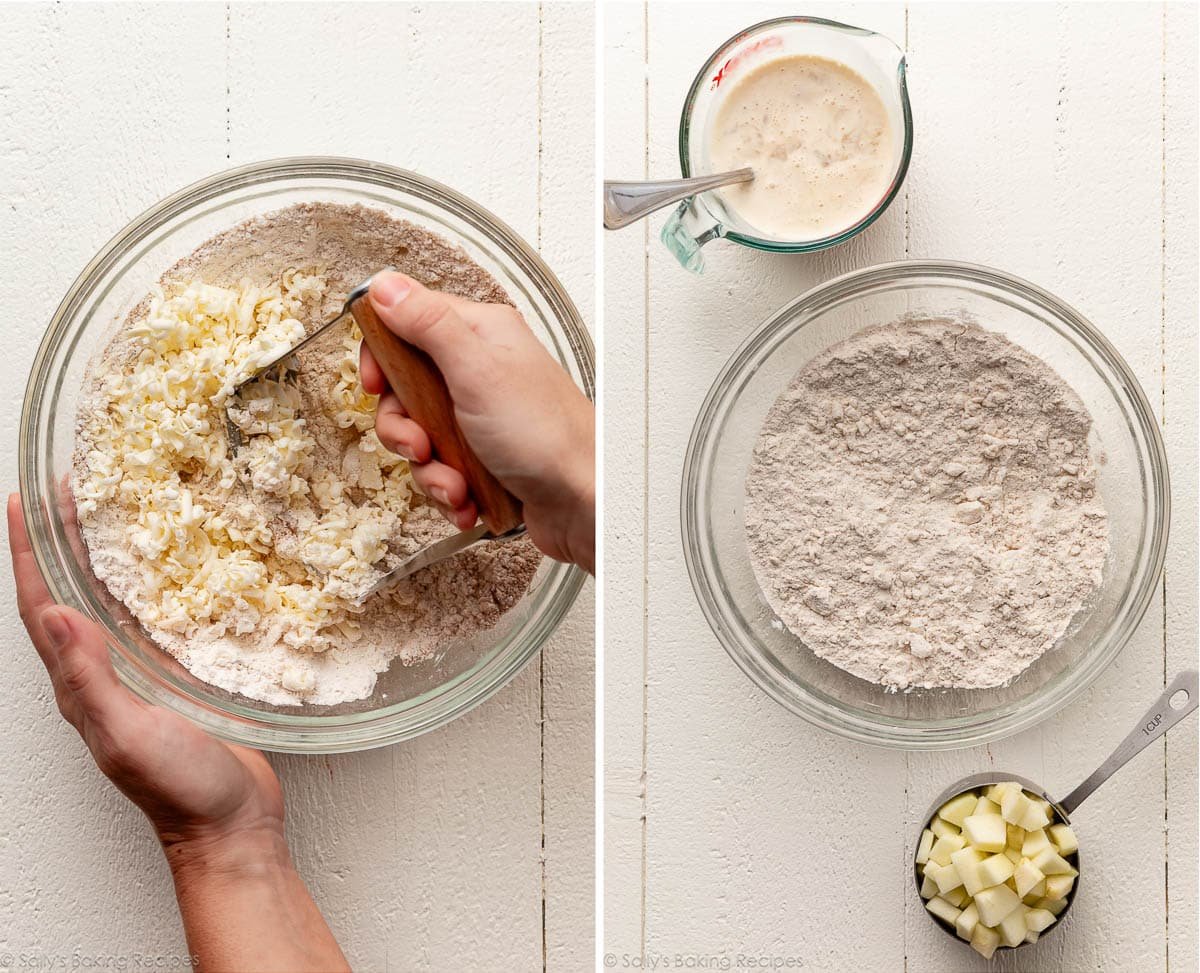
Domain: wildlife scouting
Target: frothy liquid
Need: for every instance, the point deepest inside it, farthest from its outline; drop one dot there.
(818, 138)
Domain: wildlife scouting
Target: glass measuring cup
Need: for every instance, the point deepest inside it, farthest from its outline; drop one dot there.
(705, 217)
(1178, 701)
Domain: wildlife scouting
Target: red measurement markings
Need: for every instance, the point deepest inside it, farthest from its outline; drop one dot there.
(765, 44)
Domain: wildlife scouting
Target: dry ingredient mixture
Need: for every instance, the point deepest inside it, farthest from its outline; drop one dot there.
(245, 568)
(922, 507)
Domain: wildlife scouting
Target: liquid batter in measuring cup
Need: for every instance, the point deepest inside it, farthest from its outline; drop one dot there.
(818, 111)
(818, 137)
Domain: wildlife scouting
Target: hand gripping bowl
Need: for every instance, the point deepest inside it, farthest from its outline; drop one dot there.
(407, 700)
(1132, 479)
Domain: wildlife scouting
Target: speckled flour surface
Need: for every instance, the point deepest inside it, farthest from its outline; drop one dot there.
(242, 650)
(921, 506)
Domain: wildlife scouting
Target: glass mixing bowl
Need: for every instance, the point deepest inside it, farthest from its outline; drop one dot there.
(1132, 480)
(408, 700)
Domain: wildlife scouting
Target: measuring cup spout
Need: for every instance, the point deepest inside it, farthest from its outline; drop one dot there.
(686, 231)
(885, 52)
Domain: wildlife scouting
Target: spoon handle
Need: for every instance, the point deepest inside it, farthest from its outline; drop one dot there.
(1158, 719)
(628, 202)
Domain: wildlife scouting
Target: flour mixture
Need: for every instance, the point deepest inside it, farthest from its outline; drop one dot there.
(921, 506)
(246, 569)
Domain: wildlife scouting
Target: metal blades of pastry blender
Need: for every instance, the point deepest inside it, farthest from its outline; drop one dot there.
(438, 551)
(284, 363)
(295, 349)
(235, 434)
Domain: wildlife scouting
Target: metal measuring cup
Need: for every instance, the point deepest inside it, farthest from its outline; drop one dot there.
(1164, 714)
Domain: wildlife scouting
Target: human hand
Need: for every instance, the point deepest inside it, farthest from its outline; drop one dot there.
(518, 409)
(206, 799)
(217, 809)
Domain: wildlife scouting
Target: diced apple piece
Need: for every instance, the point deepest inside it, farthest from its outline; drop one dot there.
(967, 862)
(928, 887)
(965, 924)
(985, 832)
(984, 940)
(957, 897)
(944, 847)
(1059, 886)
(996, 903)
(943, 909)
(984, 806)
(1053, 906)
(1040, 919)
(1064, 839)
(956, 810)
(1034, 818)
(1012, 855)
(995, 870)
(1015, 835)
(1049, 862)
(927, 838)
(1027, 875)
(995, 793)
(1014, 805)
(1035, 843)
(947, 878)
(1044, 858)
(1012, 927)
(1032, 937)
(941, 828)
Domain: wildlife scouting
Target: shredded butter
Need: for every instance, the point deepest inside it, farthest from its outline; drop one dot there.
(210, 560)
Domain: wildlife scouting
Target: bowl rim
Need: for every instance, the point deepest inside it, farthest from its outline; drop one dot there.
(318, 733)
(942, 734)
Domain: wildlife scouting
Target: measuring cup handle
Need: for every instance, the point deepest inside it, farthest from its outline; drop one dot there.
(417, 380)
(686, 231)
(1158, 719)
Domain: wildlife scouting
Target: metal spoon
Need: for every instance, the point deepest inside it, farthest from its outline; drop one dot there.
(1163, 715)
(628, 202)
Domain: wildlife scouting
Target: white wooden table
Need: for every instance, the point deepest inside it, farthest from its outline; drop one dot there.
(469, 848)
(1055, 142)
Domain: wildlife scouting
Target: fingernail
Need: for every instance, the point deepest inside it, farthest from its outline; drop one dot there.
(440, 495)
(400, 448)
(389, 289)
(56, 628)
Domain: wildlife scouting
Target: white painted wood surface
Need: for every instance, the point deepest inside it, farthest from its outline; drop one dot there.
(1057, 142)
(470, 848)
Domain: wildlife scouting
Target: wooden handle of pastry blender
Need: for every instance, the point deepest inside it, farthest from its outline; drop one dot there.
(413, 375)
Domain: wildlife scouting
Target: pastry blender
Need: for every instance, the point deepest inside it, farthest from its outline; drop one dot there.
(416, 378)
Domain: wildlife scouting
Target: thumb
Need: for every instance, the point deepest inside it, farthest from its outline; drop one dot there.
(428, 319)
(83, 670)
